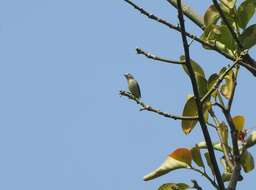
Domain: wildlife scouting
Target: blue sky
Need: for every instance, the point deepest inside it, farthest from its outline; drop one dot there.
(62, 122)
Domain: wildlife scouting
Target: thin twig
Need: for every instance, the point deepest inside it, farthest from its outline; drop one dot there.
(177, 28)
(157, 58)
(224, 145)
(151, 109)
(248, 62)
(218, 82)
(205, 175)
(197, 98)
(196, 185)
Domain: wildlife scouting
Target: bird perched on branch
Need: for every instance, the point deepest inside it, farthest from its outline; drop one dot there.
(133, 85)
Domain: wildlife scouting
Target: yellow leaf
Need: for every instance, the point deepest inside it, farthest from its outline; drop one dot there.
(239, 122)
(190, 109)
(183, 155)
(174, 186)
(224, 132)
(167, 166)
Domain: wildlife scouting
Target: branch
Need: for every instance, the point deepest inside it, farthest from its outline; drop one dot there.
(218, 82)
(157, 58)
(205, 175)
(197, 97)
(195, 185)
(224, 19)
(248, 62)
(190, 13)
(177, 28)
(224, 145)
(151, 109)
(236, 154)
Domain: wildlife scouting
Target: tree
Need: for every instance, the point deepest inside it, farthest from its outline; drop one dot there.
(224, 30)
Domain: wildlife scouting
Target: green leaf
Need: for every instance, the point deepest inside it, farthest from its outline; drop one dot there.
(226, 176)
(247, 161)
(245, 12)
(228, 3)
(226, 88)
(251, 141)
(224, 132)
(211, 82)
(208, 160)
(180, 158)
(195, 66)
(196, 155)
(223, 35)
(211, 15)
(174, 186)
(201, 84)
(190, 109)
(248, 37)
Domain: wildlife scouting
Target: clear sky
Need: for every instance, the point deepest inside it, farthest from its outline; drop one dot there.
(62, 122)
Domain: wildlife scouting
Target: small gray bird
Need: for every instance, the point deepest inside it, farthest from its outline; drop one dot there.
(133, 85)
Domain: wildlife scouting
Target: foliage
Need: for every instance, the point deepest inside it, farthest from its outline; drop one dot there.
(226, 29)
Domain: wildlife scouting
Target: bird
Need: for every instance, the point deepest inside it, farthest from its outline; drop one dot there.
(133, 85)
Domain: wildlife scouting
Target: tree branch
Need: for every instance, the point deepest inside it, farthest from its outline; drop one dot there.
(224, 19)
(190, 13)
(151, 109)
(218, 82)
(224, 145)
(196, 185)
(205, 175)
(157, 58)
(169, 25)
(197, 98)
(236, 154)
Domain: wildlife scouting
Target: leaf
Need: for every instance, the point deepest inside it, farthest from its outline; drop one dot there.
(195, 66)
(224, 132)
(239, 121)
(247, 161)
(208, 160)
(174, 186)
(245, 12)
(226, 176)
(248, 37)
(223, 35)
(216, 146)
(196, 156)
(251, 141)
(182, 161)
(211, 15)
(190, 109)
(226, 88)
(211, 82)
(201, 84)
(183, 155)
(228, 3)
